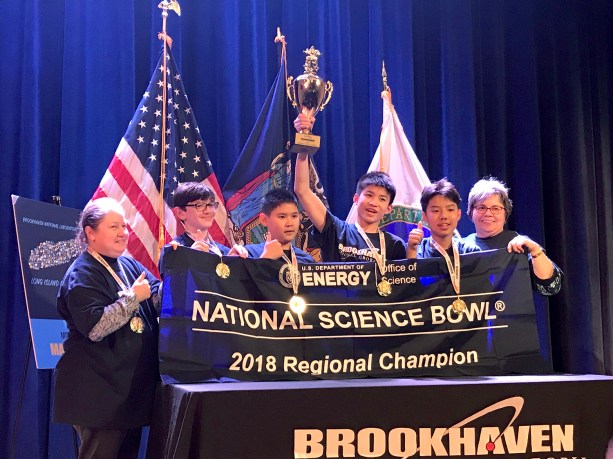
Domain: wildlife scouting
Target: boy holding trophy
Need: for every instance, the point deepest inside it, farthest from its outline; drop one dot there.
(342, 241)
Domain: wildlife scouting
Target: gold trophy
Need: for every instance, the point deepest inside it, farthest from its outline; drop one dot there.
(308, 93)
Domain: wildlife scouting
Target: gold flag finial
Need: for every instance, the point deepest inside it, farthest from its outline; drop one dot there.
(280, 38)
(170, 5)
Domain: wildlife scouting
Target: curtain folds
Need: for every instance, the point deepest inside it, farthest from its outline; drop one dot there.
(521, 90)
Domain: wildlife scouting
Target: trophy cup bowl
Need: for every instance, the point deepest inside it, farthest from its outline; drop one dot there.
(309, 94)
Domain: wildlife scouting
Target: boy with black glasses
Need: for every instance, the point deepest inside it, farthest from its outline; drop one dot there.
(195, 206)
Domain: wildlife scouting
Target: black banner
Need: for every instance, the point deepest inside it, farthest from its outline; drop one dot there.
(242, 328)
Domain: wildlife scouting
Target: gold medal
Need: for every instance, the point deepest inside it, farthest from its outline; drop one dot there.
(297, 304)
(458, 306)
(137, 325)
(222, 270)
(384, 288)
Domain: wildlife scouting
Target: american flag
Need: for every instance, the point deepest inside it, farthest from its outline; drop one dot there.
(133, 177)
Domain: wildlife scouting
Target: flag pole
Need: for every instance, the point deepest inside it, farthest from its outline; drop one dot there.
(165, 5)
(281, 39)
(386, 89)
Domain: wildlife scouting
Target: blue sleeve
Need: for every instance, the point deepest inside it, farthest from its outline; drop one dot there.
(254, 250)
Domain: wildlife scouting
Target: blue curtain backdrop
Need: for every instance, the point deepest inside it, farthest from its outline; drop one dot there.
(521, 90)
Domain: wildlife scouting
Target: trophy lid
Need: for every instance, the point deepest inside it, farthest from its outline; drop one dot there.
(310, 63)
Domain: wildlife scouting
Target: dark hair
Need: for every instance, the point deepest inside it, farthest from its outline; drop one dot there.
(486, 187)
(275, 197)
(444, 188)
(189, 192)
(93, 213)
(377, 178)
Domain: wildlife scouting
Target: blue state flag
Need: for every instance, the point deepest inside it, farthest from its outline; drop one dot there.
(264, 164)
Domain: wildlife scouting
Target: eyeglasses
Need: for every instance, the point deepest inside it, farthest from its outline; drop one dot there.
(495, 210)
(202, 206)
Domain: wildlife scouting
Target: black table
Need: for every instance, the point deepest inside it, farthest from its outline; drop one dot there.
(553, 416)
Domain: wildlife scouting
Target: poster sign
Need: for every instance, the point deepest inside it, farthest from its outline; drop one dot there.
(47, 246)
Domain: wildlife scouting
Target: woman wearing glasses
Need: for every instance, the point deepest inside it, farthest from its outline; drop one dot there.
(489, 208)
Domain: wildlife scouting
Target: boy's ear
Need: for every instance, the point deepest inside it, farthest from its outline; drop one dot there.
(355, 198)
(179, 213)
(263, 219)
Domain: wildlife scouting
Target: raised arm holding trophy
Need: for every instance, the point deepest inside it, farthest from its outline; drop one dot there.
(338, 240)
(308, 93)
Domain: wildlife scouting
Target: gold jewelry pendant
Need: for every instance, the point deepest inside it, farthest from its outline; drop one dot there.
(222, 270)
(297, 304)
(458, 306)
(384, 288)
(137, 325)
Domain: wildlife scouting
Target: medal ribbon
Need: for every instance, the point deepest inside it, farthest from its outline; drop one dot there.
(454, 269)
(213, 247)
(293, 269)
(138, 326)
(208, 240)
(379, 257)
(103, 262)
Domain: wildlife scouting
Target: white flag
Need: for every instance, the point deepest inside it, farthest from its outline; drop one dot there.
(396, 157)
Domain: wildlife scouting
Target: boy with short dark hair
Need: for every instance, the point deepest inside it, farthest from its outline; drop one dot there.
(342, 241)
(279, 213)
(440, 203)
(195, 206)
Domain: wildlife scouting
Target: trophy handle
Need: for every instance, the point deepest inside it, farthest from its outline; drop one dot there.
(328, 94)
(291, 92)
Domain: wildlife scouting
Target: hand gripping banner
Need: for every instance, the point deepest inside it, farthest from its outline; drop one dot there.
(242, 328)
